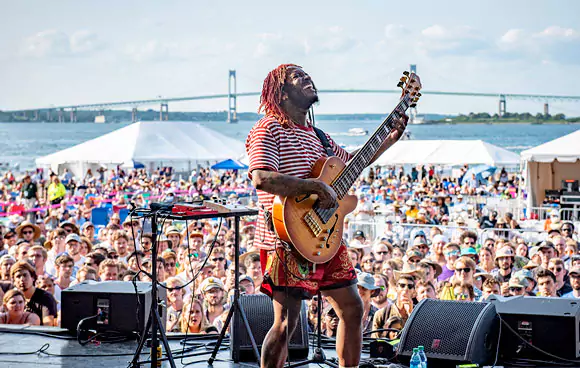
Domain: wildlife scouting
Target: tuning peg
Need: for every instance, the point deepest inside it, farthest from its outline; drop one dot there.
(419, 94)
(416, 88)
(413, 105)
(403, 79)
(413, 94)
(406, 73)
(400, 84)
(416, 99)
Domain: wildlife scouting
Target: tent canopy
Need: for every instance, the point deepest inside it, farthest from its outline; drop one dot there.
(148, 143)
(548, 164)
(563, 149)
(229, 164)
(447, 152)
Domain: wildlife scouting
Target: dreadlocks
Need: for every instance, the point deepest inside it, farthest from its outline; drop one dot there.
(271, 98)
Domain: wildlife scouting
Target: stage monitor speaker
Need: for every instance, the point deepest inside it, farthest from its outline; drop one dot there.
(260, 314)
(122, 309)
(452, 332)
(550, 324)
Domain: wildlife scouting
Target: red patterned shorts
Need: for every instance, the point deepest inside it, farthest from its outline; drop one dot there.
(285, 270)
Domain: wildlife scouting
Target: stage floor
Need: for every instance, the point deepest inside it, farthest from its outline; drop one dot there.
(19, 347)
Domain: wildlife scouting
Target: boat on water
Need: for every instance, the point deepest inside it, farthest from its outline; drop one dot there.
(357, 132)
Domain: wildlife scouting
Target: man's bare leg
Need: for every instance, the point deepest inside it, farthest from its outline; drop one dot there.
(349, 308)
(274, 349)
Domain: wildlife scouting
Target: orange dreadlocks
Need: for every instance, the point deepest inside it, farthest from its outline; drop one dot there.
(271, 98)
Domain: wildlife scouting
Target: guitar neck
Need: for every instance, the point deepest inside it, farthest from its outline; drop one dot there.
(363, 157)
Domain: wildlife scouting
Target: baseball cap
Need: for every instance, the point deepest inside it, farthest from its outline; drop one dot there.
(211, 283)
(359, 233)
(71, 237)
(367, 281)
(575, 270)
(246, 278)
(546, 244)
(87, 225)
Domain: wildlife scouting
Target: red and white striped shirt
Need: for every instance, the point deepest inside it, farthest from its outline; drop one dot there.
(287, 150)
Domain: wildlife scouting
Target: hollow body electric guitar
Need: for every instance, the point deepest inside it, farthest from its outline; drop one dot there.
(314, 232)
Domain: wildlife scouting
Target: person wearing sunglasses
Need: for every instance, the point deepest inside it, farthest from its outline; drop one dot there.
(414, 256)
(402, 307)
(382, 251)
(516, 287)
(451, 252)
(468, 239)
(464, 271)
(567, 230)
(575, 283)
(463, 291)
(556, 265)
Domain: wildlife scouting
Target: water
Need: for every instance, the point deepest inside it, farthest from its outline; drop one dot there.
(24, 142)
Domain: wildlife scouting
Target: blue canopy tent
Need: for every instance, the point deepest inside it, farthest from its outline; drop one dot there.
(229, 164)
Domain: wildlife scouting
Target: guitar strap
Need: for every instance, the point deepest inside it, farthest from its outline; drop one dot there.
(324, 142)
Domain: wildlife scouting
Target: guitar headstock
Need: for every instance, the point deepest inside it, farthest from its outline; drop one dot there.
(410, 83)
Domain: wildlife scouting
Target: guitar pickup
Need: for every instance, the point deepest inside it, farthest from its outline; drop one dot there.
(312, 224)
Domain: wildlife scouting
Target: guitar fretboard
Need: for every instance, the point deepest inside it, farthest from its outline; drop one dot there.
(363, 157)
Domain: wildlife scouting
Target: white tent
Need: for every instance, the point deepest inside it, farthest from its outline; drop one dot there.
(152, 143)
(548, 164)
(447, 152)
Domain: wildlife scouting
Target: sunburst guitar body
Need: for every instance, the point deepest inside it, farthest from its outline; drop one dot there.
(296, 220)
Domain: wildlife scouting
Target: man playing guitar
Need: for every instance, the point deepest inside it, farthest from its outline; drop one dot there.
(282, 148)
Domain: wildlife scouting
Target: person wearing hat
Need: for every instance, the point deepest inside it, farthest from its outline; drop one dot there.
(527, 277)
(248, 284)
(70, 227)
(214, 297)
(367, 290)
(575, 283)
(420, 243)
(73, 247)
(414, 256)
(359, 235)
(547, 251)
(431, 270)
(412, 210)
(88, 231)
(28, 231)
(504, 261)
(331, 321)
(471, 253)
(437, 244)
(516, 287)
(174, 235)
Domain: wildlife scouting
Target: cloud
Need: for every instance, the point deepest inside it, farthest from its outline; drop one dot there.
(333, 40)
(554, 44)
(279, 46)
(438, 40)
(52, 44)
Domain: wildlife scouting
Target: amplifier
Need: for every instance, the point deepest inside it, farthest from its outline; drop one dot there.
(550, 324)
(121, 308)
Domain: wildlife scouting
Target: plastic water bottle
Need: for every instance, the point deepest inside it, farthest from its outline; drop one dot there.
(422, 356)
(415, 360)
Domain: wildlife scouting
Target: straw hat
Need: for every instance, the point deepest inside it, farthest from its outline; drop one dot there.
(24, 224)
(434, 265)
(408, 270)
(245, 255)
(506, 251)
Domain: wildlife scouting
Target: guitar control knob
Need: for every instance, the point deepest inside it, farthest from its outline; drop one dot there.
(317, 253)
(324, 237)
(321, 245)
(327, 231)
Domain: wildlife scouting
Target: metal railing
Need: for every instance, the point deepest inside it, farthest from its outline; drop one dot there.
(402, 232)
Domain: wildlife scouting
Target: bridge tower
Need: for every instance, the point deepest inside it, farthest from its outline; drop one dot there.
(73, 115)
(232, 97)
(134, 116)
(546, 110)
(61, 115)
(413, 110)
(502, 105)
(162, 115)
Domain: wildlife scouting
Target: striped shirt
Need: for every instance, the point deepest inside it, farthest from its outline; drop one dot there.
(287, 150)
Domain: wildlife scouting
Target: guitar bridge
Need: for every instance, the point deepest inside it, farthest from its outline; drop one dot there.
(310, 220)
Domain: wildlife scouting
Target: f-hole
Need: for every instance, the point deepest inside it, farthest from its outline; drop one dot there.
(331, 230)
(302, 199)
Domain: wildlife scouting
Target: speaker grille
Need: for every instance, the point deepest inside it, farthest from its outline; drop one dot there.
(445, 328)
(260, 314)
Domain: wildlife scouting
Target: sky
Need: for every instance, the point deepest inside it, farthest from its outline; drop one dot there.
(71, 52)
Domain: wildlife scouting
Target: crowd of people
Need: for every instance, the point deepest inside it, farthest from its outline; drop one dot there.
(47, 251)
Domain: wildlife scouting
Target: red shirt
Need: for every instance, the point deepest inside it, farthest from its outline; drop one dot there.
(287, 150)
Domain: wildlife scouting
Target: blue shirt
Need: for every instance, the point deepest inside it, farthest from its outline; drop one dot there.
(569, 295)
